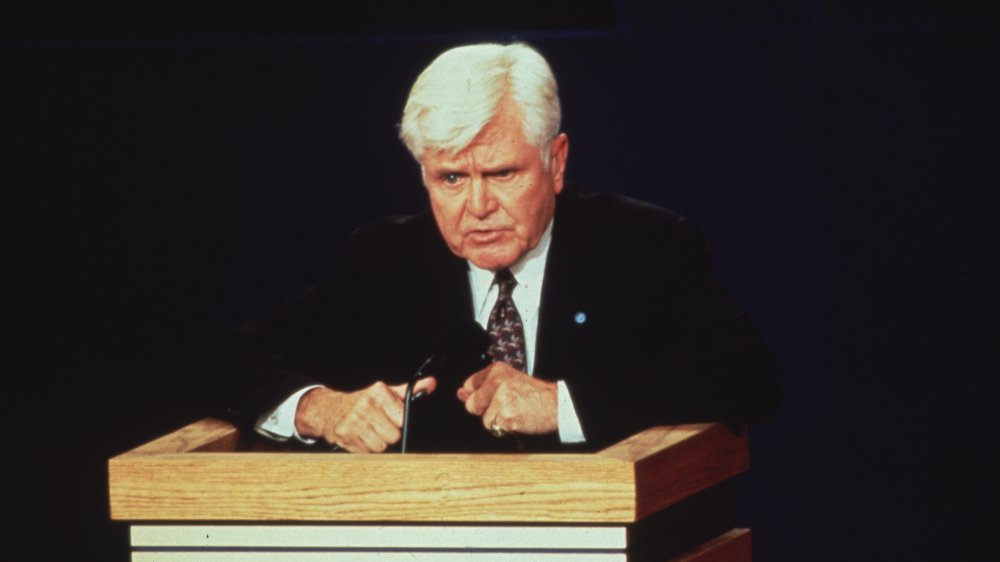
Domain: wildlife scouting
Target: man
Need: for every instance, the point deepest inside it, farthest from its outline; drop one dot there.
(602, 311)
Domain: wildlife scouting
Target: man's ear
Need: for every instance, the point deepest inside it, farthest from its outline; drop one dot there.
(558, 153)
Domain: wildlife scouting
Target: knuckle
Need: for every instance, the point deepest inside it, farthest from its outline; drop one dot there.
(378, 391)
(502, 393)
(343, 430)
(356, 411)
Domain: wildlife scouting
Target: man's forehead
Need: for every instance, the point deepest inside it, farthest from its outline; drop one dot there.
(446, 157)
(499, 141)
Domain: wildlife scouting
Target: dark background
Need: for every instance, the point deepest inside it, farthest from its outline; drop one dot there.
(175, 168)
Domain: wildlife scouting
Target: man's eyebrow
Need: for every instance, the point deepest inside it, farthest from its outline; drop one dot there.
(501, 169)
(444, 163)
(447, 171)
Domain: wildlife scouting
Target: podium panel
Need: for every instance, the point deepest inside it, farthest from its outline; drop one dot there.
(200, 494)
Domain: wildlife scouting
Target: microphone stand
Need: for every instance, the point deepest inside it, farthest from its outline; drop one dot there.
(409, 397)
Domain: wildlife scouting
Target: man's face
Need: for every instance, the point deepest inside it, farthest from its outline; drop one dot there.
(493, 200)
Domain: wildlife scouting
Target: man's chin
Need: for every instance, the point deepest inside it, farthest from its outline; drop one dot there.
(493, 260)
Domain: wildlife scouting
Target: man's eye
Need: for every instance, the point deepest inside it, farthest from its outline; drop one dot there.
(451, 179)
(504, 173)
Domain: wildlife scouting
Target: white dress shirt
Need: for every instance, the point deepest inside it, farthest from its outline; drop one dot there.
(529, 271)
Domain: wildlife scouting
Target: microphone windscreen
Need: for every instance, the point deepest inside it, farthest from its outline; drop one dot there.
(461, 353)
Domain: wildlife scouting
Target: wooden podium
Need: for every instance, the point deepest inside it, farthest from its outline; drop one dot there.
(205, 492)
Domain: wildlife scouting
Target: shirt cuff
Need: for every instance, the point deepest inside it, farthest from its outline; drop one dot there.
(569, 424)
(279, 423)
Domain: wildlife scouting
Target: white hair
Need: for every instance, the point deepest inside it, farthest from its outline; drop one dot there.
(462, 90)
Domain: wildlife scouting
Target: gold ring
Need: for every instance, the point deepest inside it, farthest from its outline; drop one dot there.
(497, 431)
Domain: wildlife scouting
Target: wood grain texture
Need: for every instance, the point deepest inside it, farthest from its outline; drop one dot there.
(673, 463)
(209, 434)
(653, 440)
(732, 546)
(342, 487)
(177, 478)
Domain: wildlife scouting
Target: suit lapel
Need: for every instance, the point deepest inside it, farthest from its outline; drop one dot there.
(565, 293)
(449, 297)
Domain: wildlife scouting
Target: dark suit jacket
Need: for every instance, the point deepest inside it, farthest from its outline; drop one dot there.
(661, 343)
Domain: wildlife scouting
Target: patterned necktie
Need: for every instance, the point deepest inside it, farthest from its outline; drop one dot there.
(505, 327)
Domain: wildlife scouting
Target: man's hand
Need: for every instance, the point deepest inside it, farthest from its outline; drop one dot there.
(365, 421)
(511, 400)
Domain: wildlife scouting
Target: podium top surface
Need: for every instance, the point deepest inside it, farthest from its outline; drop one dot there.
(198, 473)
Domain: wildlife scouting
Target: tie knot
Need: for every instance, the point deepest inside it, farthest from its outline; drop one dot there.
(505, 282)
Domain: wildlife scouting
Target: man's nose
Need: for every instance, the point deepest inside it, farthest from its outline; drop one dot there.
(481, 201)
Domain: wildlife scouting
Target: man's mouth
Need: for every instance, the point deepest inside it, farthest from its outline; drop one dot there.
(484, 236)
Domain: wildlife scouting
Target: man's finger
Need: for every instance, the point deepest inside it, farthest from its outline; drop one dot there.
(492, 416)
(372, 442)
(473, 383)
(391, 409)
(483, 397)
(426, 385)
(385, 429)
(480, 400)
(342, 441)
(352, 446)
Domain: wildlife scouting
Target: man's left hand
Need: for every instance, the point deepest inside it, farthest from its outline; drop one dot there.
(511, 400)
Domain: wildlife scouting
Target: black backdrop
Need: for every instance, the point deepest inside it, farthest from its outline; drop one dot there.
(185, 166)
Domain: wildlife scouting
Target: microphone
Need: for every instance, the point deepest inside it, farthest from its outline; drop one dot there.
(461, 353)
(458, 355)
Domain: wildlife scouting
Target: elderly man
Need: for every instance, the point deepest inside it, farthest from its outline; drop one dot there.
(603, 314)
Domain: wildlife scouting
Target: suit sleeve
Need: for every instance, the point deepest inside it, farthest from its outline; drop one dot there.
(304, 341)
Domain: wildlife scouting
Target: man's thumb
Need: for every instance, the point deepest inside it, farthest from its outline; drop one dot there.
(425, 385)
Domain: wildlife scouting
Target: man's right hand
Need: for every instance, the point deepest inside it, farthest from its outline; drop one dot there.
(365, 421)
